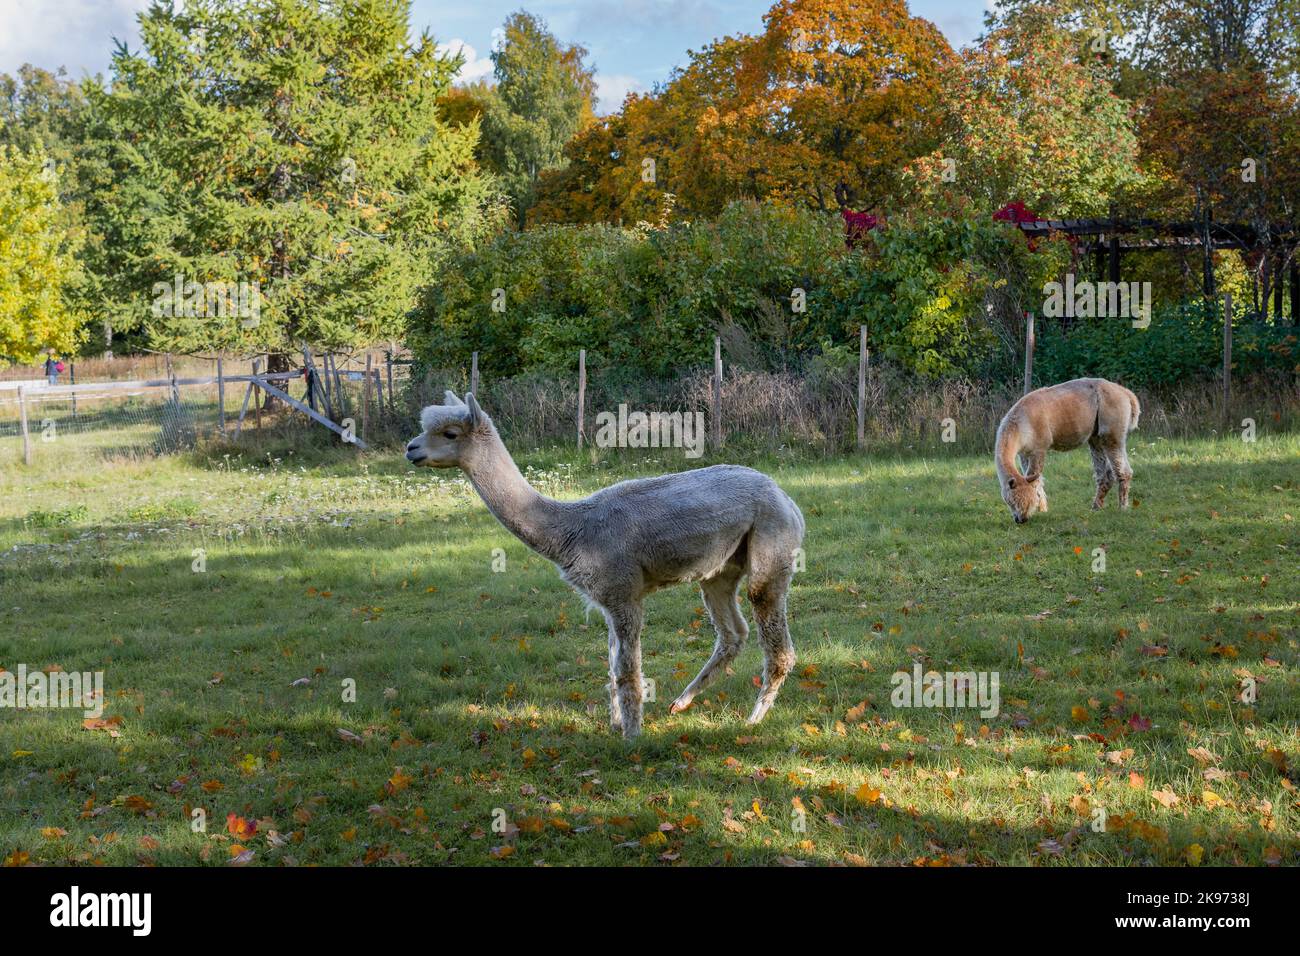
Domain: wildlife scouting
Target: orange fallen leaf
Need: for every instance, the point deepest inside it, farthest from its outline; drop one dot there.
(238, 827)
(867, 794)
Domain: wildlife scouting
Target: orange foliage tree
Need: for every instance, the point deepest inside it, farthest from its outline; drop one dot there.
(833, 91)
(1026, 118)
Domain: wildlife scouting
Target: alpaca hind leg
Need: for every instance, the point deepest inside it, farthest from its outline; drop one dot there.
(729, 625)
(767, 592)
(625, 666)
(1102, 474)
(1118, 458)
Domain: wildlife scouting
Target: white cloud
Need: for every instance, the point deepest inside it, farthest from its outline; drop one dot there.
(475, 68)
(611, 88)
(77, 34)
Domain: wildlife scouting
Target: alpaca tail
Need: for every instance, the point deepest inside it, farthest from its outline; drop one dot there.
(1137, 411)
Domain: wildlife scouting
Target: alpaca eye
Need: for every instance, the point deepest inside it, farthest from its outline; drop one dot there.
(449, 435)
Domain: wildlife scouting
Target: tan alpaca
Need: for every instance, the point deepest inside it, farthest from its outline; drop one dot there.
(1061, 417)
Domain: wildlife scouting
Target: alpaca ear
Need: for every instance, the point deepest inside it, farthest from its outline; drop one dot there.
(475, 413)
(1030, 479)
(452, 399)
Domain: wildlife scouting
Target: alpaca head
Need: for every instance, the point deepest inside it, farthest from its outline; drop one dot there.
(448, 432)
(1022, 495)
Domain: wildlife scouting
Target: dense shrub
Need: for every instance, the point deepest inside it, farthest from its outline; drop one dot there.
(650, 300)
(939, 296)
(642, 299)
(1183, 343)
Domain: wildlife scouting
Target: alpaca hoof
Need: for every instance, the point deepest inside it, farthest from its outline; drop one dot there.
(679, 706)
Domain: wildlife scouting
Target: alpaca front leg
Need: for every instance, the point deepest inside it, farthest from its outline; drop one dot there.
(615, 712)
(625, 667)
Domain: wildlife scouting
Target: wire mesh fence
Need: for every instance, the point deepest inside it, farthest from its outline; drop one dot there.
(193, 401)
(378, 402)
(106, 424)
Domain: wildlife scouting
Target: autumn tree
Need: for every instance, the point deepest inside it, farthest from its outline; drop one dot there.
(1024, 119)
(617, 169)
(1222, 118)
(833, 91)
(37, 264)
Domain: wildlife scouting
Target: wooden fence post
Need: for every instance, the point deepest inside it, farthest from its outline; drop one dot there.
(473, 374)
(365, 399)
(392, 404)
(72, 377)
(324, 384)
(1029, 351)
(171, 374)
(257, 396)
(1295, 293)
(342, 396)
(310, 396)
(22, 418)
(582, 395)
(717, 391)
(862, 385)
(1114, 246)
(1227, 352)
(1279, 291)
(243, 408)
(221, 399)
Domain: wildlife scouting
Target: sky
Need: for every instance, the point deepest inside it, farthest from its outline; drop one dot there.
(633, 44)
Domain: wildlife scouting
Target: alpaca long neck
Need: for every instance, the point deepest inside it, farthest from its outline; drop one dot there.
(528, 515)
(1008, 447)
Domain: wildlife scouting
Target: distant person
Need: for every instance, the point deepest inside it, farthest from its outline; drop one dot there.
(52, 369)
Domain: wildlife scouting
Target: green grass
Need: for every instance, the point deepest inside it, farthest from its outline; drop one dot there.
(480, 695)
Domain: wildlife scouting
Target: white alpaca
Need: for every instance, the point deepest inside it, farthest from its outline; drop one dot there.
(712, 525)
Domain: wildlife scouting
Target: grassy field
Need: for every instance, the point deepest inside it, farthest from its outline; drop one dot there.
(479, 733)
